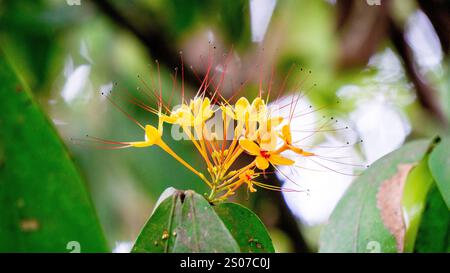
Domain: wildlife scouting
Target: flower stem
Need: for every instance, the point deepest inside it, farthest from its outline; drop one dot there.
(168, 150)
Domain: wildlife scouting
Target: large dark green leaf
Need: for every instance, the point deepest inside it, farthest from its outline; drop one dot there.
(185, 222)
(434, 229)
(246, 228)
(356, 224)
(439, 164)
(44, 206)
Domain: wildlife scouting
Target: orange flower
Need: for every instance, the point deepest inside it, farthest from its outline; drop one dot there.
(247, 177)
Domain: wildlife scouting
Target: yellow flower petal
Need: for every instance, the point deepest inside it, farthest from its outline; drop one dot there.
(258, 111)
(228, 111)
(258, 103)
(206, 103)
(247, 175)
(262, 163)
(152, 135)
(242, 103)
(169, 119)
(241, 108)
(268, 140)
(286, 131)
(250, 186)
(274, 122)
(300, 151)
(249, 146)
(279, 160)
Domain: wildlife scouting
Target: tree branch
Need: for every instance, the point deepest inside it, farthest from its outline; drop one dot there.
(158, 43)
(425, 92)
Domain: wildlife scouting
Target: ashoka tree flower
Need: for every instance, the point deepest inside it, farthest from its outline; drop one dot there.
(246, 127)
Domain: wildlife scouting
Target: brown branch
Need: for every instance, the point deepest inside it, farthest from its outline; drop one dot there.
(152, 34)
(361, 29)
(425, 92)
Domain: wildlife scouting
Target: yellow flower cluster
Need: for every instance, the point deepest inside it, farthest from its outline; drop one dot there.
(255, 132)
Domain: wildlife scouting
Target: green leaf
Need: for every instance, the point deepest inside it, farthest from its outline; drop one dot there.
(44, 205)
(439, 163)
(158, 235)
(185, 222)
(355, 224)
(414, 200)
(434, 230)
(246, 228)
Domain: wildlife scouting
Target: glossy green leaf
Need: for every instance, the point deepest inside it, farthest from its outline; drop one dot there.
(356, 225)
(439, 164)
(246, 228)
(44, 205)
(185, 222)
(414, 200)
(434, 230)
(156, 236)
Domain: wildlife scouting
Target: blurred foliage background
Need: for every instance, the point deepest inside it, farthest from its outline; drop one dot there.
(67, 54)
